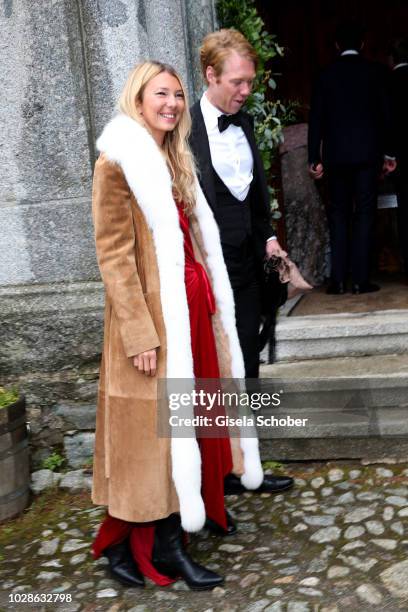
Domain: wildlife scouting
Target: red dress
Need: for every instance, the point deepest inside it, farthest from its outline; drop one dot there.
(216, 458)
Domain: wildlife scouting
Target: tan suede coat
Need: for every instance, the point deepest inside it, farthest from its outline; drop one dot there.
(134, 473)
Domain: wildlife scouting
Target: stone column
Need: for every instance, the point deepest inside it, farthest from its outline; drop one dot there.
(46, 167)
(118, 34)
(200, 20)
(50, 297)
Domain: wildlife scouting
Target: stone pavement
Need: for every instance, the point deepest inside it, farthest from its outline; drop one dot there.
(337, 542)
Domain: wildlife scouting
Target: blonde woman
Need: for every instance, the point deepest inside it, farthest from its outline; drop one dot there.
(158, 247)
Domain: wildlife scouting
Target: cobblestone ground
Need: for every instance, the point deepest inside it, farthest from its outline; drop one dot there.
(337, 542)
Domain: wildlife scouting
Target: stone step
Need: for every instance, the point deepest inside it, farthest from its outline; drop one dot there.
(341, 335)
(348, 407)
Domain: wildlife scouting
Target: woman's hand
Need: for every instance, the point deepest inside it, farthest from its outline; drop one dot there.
(146, 362)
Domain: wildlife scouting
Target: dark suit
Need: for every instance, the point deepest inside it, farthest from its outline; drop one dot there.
(350, 118)
(399, 91)
(244, 229)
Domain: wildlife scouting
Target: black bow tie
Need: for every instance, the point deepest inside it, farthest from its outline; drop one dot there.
(225, 120)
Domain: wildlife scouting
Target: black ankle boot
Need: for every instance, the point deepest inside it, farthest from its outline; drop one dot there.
(122, 566)
(170, 558)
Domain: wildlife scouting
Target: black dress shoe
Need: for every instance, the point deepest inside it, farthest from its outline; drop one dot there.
(364, 288)
(275, 484)
(218, 530)
(336, 288)
(171, 559)
(122, 566)
(271, 484)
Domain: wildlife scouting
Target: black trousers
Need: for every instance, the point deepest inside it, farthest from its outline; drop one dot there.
(352, 206)
(241, 265)
(401, 183)
(248, 318)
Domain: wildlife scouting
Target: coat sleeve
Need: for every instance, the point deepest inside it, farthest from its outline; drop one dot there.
(115, 250)
(315, 133)
(388, 113)
(260, 208)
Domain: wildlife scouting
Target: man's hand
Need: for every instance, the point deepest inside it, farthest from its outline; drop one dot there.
(316, 171)
(146, 362)
(389, 165)
(274, 248)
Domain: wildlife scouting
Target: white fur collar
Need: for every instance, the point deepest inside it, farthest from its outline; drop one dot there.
(127, 143)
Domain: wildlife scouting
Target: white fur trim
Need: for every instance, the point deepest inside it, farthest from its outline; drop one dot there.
(253, 476)
(128, 144)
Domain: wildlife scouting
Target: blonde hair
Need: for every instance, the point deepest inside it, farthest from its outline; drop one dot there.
(175, 145)
(217, 46)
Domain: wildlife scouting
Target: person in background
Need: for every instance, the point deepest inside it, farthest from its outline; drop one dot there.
(399, 98)
(350, 138)
(158, 247)
(233, 179)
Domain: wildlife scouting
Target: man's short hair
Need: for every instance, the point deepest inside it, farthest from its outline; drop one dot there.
(399, 50)
(350, 35)
(217, 46)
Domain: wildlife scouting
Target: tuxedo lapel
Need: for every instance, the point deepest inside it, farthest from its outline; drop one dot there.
(259, 171)
(249, 133)
(201, 148)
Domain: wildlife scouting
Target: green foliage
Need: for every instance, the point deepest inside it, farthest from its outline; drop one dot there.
(8, 396)
(53, 462)
(243, 16)
(292, 112)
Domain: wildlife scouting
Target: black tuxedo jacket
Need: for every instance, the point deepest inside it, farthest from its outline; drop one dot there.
(259, 204)
(350, 113)
(399, 96)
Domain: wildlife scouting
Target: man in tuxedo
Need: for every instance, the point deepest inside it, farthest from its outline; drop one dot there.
(399, 97)
(349, 139)
(233, 180)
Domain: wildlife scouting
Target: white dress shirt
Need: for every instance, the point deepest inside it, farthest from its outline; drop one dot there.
(231, 155)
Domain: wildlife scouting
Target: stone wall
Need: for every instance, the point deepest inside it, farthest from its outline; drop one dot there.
(63, 65)
(305, 216)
